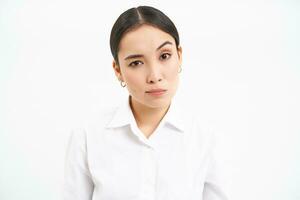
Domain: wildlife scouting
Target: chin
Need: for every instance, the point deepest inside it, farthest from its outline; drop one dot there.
(160, 103)
(154, 102)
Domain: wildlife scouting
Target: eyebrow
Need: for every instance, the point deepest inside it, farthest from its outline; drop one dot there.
(141, 55)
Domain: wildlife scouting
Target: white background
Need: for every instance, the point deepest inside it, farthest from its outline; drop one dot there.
(241, 69)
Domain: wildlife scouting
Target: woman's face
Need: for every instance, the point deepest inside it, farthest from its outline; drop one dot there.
(149, 59)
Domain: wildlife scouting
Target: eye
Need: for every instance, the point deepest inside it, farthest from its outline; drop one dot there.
(165, 56)
(135, 63)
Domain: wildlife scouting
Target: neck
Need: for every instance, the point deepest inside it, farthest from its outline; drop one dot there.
(147, 116)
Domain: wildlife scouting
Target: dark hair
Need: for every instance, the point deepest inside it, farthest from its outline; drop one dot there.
(135, 17)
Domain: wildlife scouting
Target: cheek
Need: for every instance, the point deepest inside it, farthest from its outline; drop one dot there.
(133, 80)
(172, 72)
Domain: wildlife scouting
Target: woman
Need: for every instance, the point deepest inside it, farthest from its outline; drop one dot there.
(147, 148)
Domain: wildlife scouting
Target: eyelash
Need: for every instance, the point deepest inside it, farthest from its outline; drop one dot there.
(169, 55)
(134, 63)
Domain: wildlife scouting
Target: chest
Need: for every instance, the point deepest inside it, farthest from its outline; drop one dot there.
(134, 171)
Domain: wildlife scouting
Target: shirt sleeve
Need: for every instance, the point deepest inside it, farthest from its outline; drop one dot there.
(78, 184)
(214, 185)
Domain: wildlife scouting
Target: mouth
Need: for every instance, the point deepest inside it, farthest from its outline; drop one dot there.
(156, 92)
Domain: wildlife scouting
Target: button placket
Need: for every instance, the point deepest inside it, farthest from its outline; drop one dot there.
(149, 173)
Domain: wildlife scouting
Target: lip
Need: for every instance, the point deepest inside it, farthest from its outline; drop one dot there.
(156, 90)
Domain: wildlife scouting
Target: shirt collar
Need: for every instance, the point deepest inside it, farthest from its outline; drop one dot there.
(124, 116)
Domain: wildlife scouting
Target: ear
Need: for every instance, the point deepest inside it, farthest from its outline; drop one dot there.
(179, 52)
(117, 70)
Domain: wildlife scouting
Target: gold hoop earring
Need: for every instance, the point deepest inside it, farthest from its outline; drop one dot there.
(180, 69)
(123, 84)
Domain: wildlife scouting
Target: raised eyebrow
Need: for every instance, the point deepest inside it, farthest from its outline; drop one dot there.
(133, 56)
(163, 44)
(141, 55)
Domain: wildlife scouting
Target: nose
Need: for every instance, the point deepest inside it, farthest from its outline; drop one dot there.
(154, 75)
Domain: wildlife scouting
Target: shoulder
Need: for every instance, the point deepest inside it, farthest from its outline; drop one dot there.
(200, 130)
(94, 122)
(193, 118)
(101, 116)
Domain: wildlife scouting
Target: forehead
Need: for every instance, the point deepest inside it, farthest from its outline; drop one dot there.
(144, 38)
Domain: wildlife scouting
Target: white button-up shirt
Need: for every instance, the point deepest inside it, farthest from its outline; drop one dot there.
(111, 159)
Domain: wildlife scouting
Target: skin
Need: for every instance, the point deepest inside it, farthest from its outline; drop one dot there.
(153, 68)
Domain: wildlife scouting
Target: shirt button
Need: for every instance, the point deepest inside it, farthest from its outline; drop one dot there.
(149, 173)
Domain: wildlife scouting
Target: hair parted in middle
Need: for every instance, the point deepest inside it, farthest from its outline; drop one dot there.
(134, 18)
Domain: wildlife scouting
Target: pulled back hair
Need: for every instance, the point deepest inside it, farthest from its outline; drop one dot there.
(134, 18)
